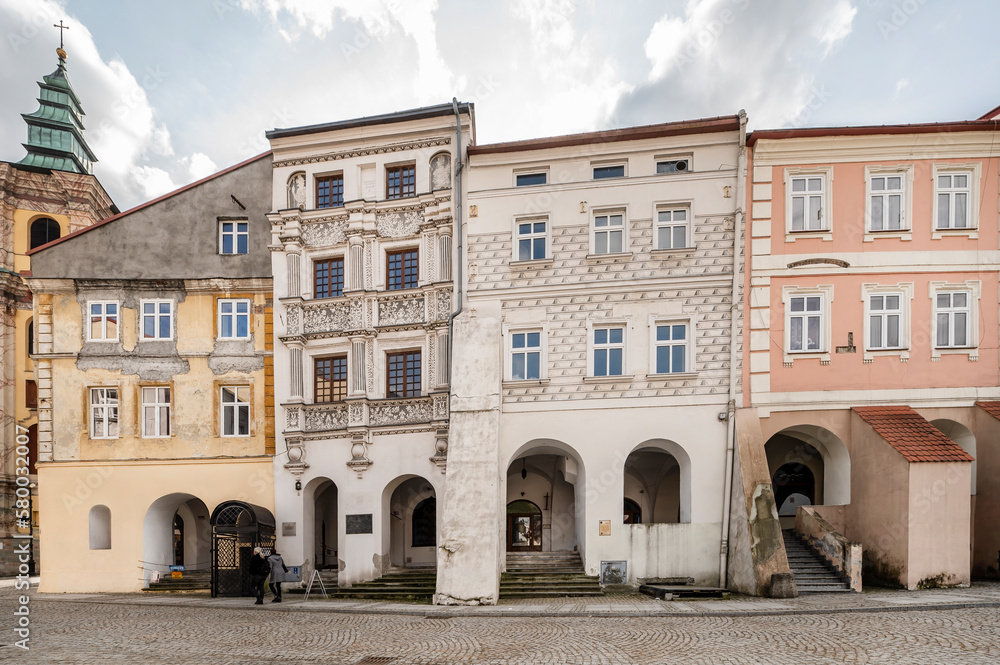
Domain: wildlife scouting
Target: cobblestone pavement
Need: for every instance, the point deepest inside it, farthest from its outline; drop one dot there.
(139, 630)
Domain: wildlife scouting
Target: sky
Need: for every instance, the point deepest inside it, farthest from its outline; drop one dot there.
(174, 91)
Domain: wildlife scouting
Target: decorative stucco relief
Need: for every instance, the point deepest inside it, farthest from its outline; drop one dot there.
(398, 224)
(323, 319)
(441, 171)
(320, 419)
(356, 318)
(441, 407)
(323, 234)
(404, 412)
(294, 317)
(443, 305)
(291, 419)
(401, 312)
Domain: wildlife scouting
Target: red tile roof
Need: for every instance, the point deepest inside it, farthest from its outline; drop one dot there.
(992, 408)
(915, 438)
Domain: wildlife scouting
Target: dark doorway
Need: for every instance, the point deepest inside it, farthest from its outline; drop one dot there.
(794, 486)
(178, 540)
(633, 513)
(237, 528)
(425, 523)
(524, 527)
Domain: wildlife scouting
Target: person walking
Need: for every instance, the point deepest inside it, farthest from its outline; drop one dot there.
(278, 570)
(259, 570)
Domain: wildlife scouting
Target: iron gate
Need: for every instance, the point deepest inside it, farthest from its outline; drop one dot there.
(237, 528)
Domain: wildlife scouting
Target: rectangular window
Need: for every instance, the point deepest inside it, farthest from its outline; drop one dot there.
(30, 394)
(103, 321)
(609, 351)
(330, 191)
(525, 356)
(234, 319)
(884, 321)
(400, 182)
(403, 374)
(236, 411)
(805, 323)
(104, 413)
(531, 236)
(527, 179)
(330, 379)
(807, 203)
(953, 319)
(157, 319)
(671, 228)
(886, 202)
(155, 412)
(402, 270)
(671, 348)
(673, 166)
(234, 237)
(609, 233)
(954, 191)
(615, 171)
(328, 278)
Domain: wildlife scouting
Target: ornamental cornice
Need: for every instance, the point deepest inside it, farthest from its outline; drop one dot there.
(364, 152)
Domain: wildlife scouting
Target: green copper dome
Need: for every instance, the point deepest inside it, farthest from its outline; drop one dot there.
(55, 130)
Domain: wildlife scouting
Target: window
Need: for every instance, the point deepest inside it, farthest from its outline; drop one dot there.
(30, 394)
(328, 278)
(610, 171)
(402, 270)
(886, 202)
(157, 319)
(807, 203)
(527, 179)
(952, 322)
(885, 320)
(525, 356)
(805, 323)
(103, 321)
(531, 239)
(670, 348)
(155, 412)
(43, 231)
(234, 237)
(671, 228)
(400, 182)
(236, 411)
(673, 166)
(403, 374)
(330, 379)
(104, 413)
(234, 319)
(954, 193)
(609, 351)
(609, 233)
(330, 191)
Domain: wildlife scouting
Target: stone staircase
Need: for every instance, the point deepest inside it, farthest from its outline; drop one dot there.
(191, 581)
(813, 574)
(400, 584)
(547, 575)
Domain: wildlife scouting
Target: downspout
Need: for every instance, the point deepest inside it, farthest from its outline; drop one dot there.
(458, 232)
(735, 312)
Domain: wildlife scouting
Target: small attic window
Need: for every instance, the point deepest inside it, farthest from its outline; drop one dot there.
(234, 236)
(44, 230)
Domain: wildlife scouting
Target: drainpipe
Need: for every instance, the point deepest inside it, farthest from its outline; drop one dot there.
(458, 232)
(735, 311)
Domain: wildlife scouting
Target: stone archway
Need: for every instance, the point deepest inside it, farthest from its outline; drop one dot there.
(821, 452)
(159, 543)
(409, 523)
(550, 475)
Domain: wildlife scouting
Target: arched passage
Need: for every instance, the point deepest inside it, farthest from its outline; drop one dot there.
(549, 474)
(821, 452)
(658, 479)
(409, 522)
(961, 435)
(237, 528)
(324, 523)
(159, 542)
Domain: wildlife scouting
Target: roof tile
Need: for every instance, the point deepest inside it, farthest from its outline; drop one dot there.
(992, 408)
(915, 438)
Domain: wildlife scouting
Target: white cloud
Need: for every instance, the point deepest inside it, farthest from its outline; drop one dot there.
(152, 181)
(200, 165)
(838, 25)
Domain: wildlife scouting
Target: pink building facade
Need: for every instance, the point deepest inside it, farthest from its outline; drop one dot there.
(871, 339)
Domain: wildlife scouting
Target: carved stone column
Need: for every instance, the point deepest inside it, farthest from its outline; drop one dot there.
(358, 374)
(294, 280)
(295, 372)
(444, 360)
(356, 260)
(444, 258)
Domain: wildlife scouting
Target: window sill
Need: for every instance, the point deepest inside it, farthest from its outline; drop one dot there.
(825, 235)
(667, 253)
(672, 375)
(971, 233)
(899, 234)
(531, 264)
(525, 383)
(972, 352)
(615, 256)
(791, 356)
(618, 378)
(869, 355)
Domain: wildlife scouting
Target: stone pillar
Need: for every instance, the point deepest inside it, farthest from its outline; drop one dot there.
(470, 549)
(444, 359)
(295, 369)
(294, 281)
(357, 265)
(444, 258)
(358, 367)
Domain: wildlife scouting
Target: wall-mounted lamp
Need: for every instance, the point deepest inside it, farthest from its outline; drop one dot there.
(298, 485)
(524, 471)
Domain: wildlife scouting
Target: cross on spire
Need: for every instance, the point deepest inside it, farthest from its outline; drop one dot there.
(61, 28)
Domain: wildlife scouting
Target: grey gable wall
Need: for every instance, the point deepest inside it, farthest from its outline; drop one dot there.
(176, 238)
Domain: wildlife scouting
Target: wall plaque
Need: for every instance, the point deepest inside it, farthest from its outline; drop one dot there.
(359, 523)
(604, 528)
(287, 529)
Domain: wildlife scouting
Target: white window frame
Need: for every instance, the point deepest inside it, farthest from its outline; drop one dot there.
(235, 315)
(509, 332)
(974, 171)
(659, 224)
(825, 291)
(526, 172)
(609, 212)
(690, 342)
(106, 407)
(603, 165)
(103, 304)
(825, 233)
(157, 405)
(905, 171)
(157, 315)
(905, 292)
(660, 159)
(546, 235)
(974, 289)
(236, 407)
(235, 233)
(626, 326)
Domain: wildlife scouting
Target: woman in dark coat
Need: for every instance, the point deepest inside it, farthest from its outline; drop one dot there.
(259, 570)
(278, 570)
